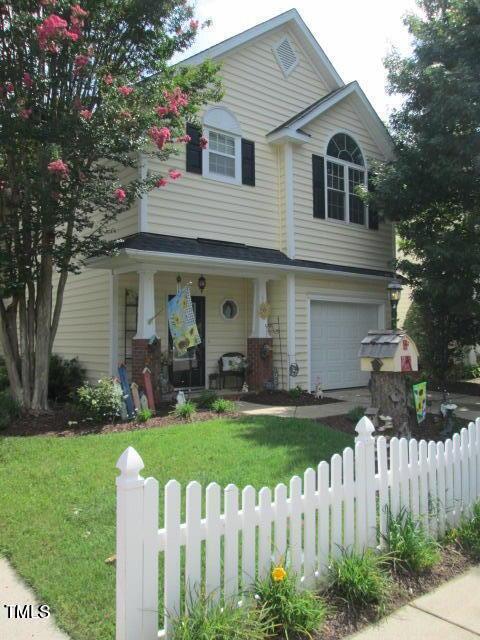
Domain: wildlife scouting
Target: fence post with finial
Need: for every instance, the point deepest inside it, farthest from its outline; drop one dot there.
(129, 554)
(365, 430)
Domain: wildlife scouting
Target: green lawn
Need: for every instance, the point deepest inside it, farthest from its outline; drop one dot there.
(57, 498)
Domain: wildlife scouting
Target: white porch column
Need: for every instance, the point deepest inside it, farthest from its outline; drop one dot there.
(146, 304)
(259, 325)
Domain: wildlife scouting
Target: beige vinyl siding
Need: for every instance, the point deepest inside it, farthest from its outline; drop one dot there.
(261, 98)
(222, 336)
(306, 286)
(127, 222)
(330, 241)
(84, 329)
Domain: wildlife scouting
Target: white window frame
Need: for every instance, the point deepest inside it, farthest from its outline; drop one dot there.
(211, 175)
(346, 166)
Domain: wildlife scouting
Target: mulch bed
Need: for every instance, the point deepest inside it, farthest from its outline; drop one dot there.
(342, 620)
(429, 430)
(65, 421)
(285, 399)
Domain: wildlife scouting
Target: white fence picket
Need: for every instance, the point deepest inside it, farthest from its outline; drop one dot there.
(212, 543)
(193, 567)
(335, 508)
(230, 558)
(248, 537)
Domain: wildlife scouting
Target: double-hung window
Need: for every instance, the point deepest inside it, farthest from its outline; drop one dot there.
(221, 154)
(345, 172)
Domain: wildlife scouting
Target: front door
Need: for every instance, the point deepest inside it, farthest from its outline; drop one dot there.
(188, 370)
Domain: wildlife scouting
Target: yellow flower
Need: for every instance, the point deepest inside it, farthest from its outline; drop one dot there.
(279, 574)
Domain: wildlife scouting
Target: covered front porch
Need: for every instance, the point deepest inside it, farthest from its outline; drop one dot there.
(233, 314)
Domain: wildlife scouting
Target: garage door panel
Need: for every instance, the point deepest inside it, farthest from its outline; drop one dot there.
(337, 329)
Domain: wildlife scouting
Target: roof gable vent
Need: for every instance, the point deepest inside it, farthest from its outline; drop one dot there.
(286, 56)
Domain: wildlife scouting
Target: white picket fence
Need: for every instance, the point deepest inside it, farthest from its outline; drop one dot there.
(223, 545)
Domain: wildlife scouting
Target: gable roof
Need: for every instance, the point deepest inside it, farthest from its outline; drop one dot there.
(303, 33)
(292, 127)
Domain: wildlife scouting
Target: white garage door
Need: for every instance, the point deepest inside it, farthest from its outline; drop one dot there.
(337, 328)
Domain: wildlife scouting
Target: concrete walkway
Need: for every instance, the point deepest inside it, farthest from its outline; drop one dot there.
(13, 591)
(451, 612)
(468, 406)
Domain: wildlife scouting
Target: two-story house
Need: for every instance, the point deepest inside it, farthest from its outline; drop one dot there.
(267, 213)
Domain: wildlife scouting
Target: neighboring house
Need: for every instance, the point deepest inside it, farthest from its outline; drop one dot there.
(267, 213)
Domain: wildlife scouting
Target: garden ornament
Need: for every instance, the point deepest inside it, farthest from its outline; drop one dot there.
(245, 388)
(180, 398)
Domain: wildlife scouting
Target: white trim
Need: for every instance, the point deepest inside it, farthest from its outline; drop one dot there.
(345, 296)
(373, 121)
(143, 200)
(302, 32)
(289, 202)
(221, 118)
(334, 132)
(291, 325)
(288, 135)
(215, 263)
(146, 328)
(113, 315)
(259, 325)
(285, 38)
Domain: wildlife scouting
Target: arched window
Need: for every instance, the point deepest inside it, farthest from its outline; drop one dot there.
(223, 154)
(345, 173)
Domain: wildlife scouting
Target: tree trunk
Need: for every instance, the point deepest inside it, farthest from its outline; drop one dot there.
(42, 334)
(392, 396)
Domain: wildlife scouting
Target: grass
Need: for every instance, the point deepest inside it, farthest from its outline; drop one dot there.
(468, 533)
(57, 504)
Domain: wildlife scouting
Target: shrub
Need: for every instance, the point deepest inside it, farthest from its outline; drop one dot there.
(102, 401)
(296, 392)
(185, 411)
(143, 415)
(9, 409)
(207, 398)
(222, 405)
(468, 533)
(356, 414)
(291, 612)
(360, 579)
(207, 620)
(4, 383)
(65, 377)
(409, 546)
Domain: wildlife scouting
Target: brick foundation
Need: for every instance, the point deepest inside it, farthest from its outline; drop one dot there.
(146, 355)
(260, 369)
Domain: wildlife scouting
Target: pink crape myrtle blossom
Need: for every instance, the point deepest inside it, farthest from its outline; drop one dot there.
(120, 195)
(81, 60)
(161, 183)
(108, 79)
(161, 111)
(186, 138)
(54, 29)
(159, 135)
(203, 142)
(174, 174)
(27, 80)
(125, 91)
(86, 114)
(194, 25)
(175, 100)
(25, 114)
(58, 168)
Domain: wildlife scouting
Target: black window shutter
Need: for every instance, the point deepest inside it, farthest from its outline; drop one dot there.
(318, 182)
(248, 162)
(372, 209)
(194, 150)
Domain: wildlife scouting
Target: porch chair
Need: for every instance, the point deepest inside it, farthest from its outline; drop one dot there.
(224, 370)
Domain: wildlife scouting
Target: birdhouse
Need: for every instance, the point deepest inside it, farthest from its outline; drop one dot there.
(388, 351)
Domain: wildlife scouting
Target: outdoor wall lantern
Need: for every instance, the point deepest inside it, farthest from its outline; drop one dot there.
(202, 283)
(394, 293)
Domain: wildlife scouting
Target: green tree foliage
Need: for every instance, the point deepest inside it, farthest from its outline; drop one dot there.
(84, 87)
(432, 190)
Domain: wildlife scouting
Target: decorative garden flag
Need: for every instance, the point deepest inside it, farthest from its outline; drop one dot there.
(420, 398)
(181, 320)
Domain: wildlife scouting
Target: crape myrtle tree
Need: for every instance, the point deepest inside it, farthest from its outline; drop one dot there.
(432, 190)
(84, 87)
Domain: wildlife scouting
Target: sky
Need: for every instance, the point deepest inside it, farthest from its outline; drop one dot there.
(355, 34)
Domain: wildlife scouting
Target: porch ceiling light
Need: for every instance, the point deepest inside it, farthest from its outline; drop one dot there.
(202, 283)
(394, 293)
